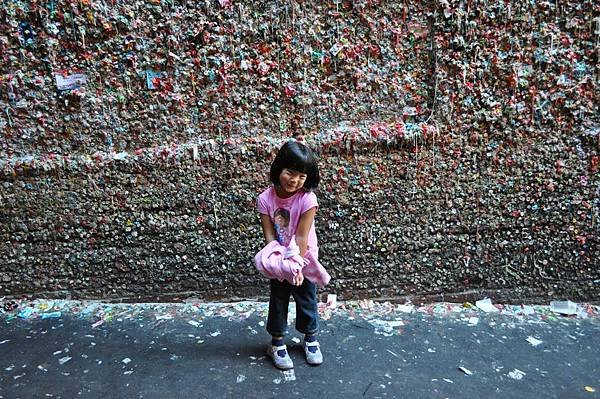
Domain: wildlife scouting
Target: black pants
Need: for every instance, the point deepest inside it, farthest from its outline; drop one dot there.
(307, 316)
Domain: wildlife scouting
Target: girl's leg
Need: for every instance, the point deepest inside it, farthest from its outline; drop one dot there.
(277, 324)
(307, 314)
(278, 308)
(307, 320)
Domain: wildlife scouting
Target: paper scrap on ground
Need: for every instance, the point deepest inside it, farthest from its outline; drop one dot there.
(516, 374)
(51, 315)
(528, 310)
(392, 353)
(289, 375)
(406, 308)
(534, 341)
(331, 301)
(385, 327)
(465, 370)
(63, 360)
(564, 307)
(486, 305)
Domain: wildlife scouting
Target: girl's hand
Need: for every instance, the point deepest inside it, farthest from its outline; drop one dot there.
(299, 278)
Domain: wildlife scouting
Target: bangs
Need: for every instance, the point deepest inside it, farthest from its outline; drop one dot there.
(299, 163)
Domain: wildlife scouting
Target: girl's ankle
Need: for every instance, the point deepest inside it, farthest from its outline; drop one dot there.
(310, 338)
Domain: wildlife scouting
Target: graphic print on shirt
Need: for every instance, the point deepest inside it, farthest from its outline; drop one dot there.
(281, 221)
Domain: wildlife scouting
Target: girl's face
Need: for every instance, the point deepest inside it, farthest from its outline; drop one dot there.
(291, 181)
(280, 220)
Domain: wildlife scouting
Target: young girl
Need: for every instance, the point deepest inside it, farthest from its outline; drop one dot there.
(288, 209)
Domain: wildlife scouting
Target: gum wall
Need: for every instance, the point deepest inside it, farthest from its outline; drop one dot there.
(457, 141)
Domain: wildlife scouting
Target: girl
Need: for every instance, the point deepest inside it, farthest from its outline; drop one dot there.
(288, 209)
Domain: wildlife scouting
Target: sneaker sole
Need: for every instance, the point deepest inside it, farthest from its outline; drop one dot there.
(276, 366)
(314, 363)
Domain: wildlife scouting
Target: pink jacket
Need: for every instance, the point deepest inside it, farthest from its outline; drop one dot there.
(277, 261)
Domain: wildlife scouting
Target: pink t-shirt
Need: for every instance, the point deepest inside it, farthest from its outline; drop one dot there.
(285, 214)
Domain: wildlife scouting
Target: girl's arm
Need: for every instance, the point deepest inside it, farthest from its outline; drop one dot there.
(306, 221)
(268, 229)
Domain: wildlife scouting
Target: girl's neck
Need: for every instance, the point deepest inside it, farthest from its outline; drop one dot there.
(283, 194)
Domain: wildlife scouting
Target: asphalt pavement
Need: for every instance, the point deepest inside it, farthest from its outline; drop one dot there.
(70, 349)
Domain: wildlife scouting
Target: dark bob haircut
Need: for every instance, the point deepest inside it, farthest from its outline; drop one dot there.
(296, 156)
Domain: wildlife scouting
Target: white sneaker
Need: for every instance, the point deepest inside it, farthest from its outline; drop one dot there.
(313, 358)
(281, 362)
